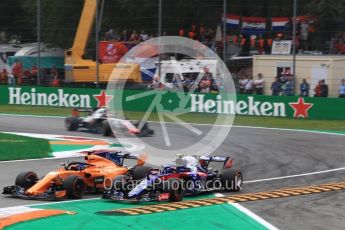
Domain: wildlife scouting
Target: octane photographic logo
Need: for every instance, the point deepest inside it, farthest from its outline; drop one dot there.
(128, 184)
(175, 84)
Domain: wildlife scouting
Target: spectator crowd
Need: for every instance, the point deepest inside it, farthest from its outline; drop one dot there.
(16, 75)
(204, 35)
(284, 86)
(206, 83)
(246, 84)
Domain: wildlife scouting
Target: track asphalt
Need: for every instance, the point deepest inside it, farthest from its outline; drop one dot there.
(260, 153)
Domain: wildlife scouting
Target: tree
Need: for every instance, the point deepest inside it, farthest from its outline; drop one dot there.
(329, 19)
(60, 17)
(59, 20)
(13, 20)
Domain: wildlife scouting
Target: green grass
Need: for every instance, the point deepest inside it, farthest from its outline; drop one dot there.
(273, 122)
(15, 147)
(215, 217)
(35, 110)
(289, 123)
(260, 121)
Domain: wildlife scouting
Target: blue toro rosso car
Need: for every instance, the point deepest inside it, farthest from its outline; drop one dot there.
(188, 176)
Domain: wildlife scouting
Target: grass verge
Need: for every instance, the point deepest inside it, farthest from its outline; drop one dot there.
(16, 147)
(272, 122)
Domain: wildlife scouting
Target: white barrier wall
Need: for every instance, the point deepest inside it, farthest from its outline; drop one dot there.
(311, 67)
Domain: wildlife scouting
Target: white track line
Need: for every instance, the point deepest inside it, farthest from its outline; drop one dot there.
(49, 203)
(249, 213)
(216, 194)
(167, 122)
(295, 175)
(253, 216)
(65, 201)
(58, 157)
(248, 127)
(6, 212)
(38, 159)
(26, 115)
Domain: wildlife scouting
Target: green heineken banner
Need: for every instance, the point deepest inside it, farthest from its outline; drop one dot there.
(254, 105)
(46, 96)
(139, 100)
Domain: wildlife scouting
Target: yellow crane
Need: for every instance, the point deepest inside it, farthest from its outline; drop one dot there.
(80, 70)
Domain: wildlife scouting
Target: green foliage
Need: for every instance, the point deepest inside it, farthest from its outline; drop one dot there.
(59, 20)
(13, 20)
(330, 18)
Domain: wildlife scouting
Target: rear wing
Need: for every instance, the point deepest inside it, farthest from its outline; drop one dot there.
(227, 161)
(76, 111)
(85, 110)
(116, 156)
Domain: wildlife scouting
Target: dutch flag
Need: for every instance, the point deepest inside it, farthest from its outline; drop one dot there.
(279, 24)
(253, 25)
(232, 21)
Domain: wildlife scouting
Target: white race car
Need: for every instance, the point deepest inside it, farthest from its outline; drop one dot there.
(98, 122)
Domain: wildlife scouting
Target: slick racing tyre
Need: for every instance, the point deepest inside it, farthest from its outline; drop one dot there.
(136, 124)
(140, 172)
(71, 123)
(173, 186)
(105, 128)
(146, 132)
(119, 183)
(26, 179)
(232, 179)
(75, 187)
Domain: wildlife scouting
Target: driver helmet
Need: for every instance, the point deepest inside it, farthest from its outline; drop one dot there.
(187, 161)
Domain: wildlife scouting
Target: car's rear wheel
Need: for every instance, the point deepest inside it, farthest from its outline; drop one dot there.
(173, 186)
(140, 172)
(232, 179)
(147, 132)
(106, 130)
(75, 187)
(71, 123)
(26, 179)
(136, 124)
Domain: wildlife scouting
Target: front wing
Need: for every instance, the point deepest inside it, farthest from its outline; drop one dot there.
(19, 192)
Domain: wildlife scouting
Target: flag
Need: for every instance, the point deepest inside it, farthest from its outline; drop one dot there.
(279, 24)
(111, 52)
(253, 25)
(302, 18)
(146, 55)
(232, 21)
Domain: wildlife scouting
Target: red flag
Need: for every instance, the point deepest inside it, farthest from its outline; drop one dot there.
(111, 52)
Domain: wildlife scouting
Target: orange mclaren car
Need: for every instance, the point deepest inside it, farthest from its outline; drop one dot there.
(74, 179)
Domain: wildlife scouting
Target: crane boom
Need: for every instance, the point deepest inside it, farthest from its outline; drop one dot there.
(84, 28)
(81, 70)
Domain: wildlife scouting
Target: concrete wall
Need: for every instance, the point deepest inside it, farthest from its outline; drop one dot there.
(306, 66)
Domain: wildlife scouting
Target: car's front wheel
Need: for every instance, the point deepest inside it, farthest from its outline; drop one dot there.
(75, 187)
(174, 187)
(26, 179)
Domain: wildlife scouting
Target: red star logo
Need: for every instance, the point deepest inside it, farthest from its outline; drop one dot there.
(301, 108)
(102, 99)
